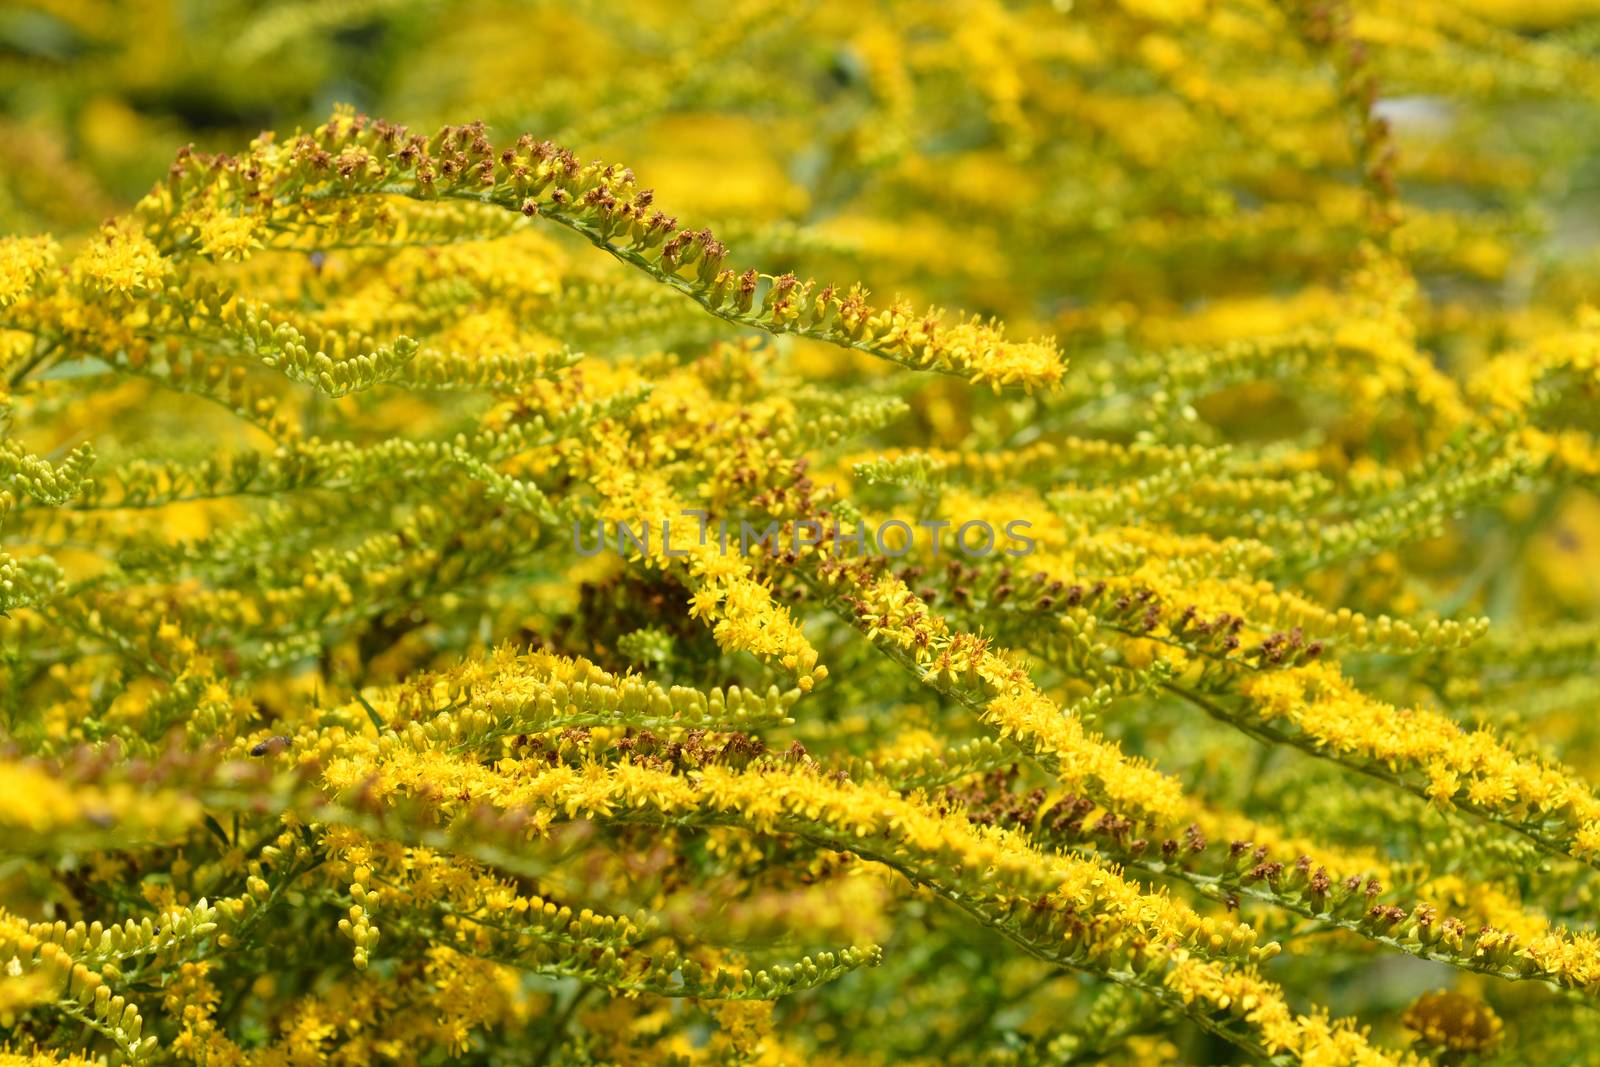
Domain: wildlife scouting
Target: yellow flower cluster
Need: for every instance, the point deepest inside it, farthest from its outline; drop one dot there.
(228, 237)
(22, 260)
(122, 262)
(1474, 769)
(1006, 699)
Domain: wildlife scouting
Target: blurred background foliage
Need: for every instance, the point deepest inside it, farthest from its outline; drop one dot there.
(1158, 156)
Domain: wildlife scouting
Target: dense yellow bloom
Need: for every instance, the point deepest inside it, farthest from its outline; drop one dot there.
(944, 532)
(22, 260)
(229, 237)
(118, 261)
